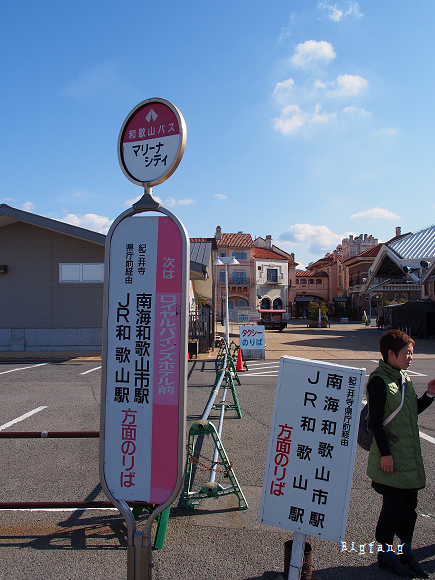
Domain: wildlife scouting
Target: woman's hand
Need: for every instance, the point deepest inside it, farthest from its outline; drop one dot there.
(431, 387)
(387, 463)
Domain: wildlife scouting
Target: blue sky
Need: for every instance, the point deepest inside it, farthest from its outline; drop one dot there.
(307, 120)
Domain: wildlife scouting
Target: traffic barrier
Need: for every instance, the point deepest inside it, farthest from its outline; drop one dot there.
(195, 460)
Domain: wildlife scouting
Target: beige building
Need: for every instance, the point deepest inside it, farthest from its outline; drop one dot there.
(322, 281)
(259, 281)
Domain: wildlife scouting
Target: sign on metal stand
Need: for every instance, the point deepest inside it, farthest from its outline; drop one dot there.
(252, 341)
(145, 322)
(311, 453)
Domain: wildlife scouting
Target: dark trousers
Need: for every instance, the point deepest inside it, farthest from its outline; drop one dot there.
(398, 515)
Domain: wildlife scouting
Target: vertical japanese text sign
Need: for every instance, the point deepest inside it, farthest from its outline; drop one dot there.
(145, 349)
(312, 446)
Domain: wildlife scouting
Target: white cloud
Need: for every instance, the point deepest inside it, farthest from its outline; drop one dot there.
(186, 201)
(311, 51)
(304, 106)
(28, 206)
(220, 196)
(344, 86)
(336, 14)
(315, 101)
(283, 87)
(357, 110)
(315, 239)
(294, 118)
(89, 221)
(375, 212)
(353, 10)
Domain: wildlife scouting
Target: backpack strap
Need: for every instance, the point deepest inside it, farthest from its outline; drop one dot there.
(394, 413)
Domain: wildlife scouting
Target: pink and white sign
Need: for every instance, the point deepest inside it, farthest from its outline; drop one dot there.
(143, 348)
(151, 142)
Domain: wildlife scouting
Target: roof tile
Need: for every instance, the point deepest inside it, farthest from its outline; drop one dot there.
(236, 240)
(265, 254)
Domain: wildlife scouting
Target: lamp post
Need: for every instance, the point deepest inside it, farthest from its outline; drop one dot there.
(223, 261)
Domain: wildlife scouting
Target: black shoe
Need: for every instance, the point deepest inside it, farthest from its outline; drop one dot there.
(410, 561)
(394, 565)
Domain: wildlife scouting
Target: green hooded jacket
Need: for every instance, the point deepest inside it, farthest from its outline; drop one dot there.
(406, 452)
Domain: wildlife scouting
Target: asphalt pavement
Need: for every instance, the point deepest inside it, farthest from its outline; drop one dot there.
(216, 539)
(352, 340)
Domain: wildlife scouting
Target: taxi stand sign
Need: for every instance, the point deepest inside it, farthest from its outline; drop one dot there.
(252, 341)
(312, 447)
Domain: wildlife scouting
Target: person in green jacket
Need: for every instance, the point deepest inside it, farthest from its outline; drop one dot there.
(395, 462)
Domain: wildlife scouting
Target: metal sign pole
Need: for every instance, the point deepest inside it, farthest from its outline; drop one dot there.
(297, 556)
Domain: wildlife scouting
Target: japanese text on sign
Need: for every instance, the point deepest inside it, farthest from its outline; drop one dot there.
(312, 446)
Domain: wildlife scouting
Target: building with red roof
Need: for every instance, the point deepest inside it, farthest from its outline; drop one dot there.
(260, 280)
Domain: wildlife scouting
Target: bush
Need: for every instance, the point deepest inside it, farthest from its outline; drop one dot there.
(313, 311)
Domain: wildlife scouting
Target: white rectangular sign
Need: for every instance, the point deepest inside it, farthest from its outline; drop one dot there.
(252, 341)
(312, 446)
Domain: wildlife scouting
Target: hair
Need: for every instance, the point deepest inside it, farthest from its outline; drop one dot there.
(393, 340)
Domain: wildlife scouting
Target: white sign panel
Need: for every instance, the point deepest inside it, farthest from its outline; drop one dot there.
(252, 341)
(312, 446)
(151, 142)
(144, 375)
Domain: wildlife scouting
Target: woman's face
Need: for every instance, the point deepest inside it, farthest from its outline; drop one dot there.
(404, 358)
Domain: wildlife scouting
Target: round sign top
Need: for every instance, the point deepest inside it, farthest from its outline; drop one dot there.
(151, 142)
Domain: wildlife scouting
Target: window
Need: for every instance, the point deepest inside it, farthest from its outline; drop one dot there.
(222, 254)
(265, 304)
(239, 277)
(242, 303)
(81, 273)
(311, 281)
(318, 280)
(239, 255)
(277, 304)
(303, 281)
(230, 304)
(297, 280)
(222, 276)
(272, 275)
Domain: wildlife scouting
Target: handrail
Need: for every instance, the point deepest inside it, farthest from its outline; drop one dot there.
(48, 434)
(215, 391)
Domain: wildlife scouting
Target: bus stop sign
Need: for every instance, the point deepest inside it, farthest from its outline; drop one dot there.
(151, 142)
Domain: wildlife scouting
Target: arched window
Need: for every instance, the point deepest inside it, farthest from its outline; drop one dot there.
(242, 303)
(277, 304)
(265, 304)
